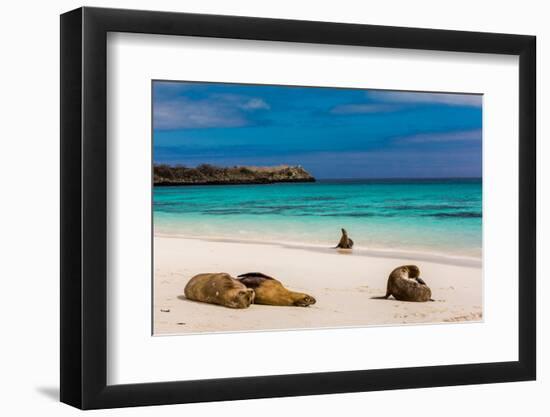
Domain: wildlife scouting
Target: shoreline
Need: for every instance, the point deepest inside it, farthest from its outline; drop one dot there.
(388, 253)
(346, 288)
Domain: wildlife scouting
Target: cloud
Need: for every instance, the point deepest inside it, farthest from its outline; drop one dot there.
(255, 104)
(188, 114)
(241, 101)
(364, 108)
(444, 137)
(404, 97)
(216, 111)
(392, 101)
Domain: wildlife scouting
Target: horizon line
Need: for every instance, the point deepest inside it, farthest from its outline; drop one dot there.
(399, 178)
(177, 165)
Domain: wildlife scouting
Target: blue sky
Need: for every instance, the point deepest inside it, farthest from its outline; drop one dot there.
(331, 132)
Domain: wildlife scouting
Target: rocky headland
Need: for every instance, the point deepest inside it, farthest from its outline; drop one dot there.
(206, 174)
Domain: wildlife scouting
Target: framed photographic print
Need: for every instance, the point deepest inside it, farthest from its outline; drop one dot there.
(258, 207)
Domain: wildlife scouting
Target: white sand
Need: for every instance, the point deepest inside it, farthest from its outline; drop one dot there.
(342, 283)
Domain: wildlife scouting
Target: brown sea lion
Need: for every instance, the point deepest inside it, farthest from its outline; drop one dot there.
(405, 284)
(271, 292)
(219, 288)
(345, 241)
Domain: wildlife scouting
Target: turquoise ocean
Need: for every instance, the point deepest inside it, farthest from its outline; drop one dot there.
(440, 217)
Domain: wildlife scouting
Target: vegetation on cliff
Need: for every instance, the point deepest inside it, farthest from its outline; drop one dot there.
(206, 174)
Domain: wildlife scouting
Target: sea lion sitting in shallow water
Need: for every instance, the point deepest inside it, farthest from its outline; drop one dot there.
(405, 284)
(271, 292)
(345, 241)
(219, 288)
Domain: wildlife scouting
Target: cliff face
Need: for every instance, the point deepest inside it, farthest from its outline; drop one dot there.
(209, 175)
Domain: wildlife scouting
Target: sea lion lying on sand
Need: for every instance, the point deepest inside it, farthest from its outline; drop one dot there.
(405, 284)
(219, 288)
(345, 241)
(271, 292)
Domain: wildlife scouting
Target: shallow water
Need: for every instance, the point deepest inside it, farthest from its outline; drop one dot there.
(436, 216)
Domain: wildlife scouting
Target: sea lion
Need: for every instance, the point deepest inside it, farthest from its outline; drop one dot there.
(345, 241)
(271, 292)
(405, 284)
(219, 288)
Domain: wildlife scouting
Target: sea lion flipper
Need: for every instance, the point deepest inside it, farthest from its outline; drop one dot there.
(254, 279)
(420, 281)
(255, 274)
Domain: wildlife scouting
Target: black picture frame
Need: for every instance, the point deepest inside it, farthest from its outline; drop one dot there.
(84, 207)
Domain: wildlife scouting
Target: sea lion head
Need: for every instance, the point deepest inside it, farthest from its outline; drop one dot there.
(305, 301)
(406, 271)
(413, 271)
(240, 297)
(344, 232)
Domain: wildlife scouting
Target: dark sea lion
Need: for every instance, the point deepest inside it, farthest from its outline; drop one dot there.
(345, 241)
(405, 284)
(271, 292)
(219, 288)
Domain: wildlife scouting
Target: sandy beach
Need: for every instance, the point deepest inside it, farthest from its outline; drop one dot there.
(343, 284)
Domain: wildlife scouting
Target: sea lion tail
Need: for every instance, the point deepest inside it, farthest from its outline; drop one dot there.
(382, 297)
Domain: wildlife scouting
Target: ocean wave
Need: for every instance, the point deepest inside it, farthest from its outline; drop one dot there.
(464, 215)
(281, 207)
(319, 198)
(426, 207)
(357, 214)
